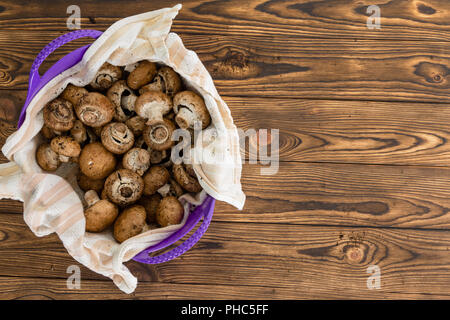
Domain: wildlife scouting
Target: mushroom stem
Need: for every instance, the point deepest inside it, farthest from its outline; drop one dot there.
(63, 158)
(91, 197)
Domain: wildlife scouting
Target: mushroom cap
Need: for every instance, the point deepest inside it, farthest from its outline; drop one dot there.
(136, 125)
(150, 204)
(106, 76)
(141, 75)
(65, 146)
(47, 158)
(166, 80)
(185, 176)
(47, 132)
(170, 211)
(130, 223)
(158, 136)
(85, 183)
(153, 105)
(154, 179)
(95, 110)
(59, 115)
(136, 160)
(117, 137)
(96, 162)
(124, 187)
(100, 215)
(73, 93)
(190, 107)
(79, 132)
(123, 99)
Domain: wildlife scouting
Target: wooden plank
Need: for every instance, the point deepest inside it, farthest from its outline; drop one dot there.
(338, 194)
(324, 130)
(400, 19)
(259, 260)
(284, 67)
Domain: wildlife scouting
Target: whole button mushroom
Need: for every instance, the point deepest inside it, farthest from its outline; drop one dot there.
(106, 76)
(59, 115)
(136, 160)
(100, 214)
(96, 162)
(158, 136)
(73, 94)
(184, 174)
(141, 75)
(95, 110)
(153, 105)
(47, 158)
(117, 137)
(130, 223)
(166, 80)
(189, 107)
(124, 187)
(155, 178)
(123, 99)
(66, 147)
(169, 212)
(150, 204)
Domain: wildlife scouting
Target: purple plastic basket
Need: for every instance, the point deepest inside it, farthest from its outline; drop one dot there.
(36, 82)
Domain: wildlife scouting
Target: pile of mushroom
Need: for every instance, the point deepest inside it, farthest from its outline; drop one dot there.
(118, 131)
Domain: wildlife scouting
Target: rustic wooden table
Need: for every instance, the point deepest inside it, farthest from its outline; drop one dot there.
(364, 177)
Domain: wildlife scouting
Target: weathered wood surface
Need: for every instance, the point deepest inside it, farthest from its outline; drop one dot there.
(282, 67)
(364, 173)
(400, 19)
(247, 260)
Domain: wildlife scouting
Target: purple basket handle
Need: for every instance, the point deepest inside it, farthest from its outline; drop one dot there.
(36, 82)
(205, 210)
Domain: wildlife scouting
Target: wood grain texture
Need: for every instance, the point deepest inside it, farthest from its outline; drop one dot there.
(283, 67)
(400, 19)
(364, 174)
(248, 261)
(355, 132)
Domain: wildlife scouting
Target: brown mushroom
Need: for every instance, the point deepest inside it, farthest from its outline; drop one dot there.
(106, 76)
(170, 211)
(150, 204)
(124, 187)
(73, 94)
(47, 132)
(66, 147)
(95, 110)
(59, 115)
(117, 137)
(189, 107)
(136, 160)
(156, 156)
(141, 75)
(96, 162)
(136, 125)
(47, 158)
(155, 178)
(123, 99)
(166, 80)
(153, 105)
(184, 174)
(130, 223)
(85, 183)
(78, 132)
(100, 214)
(158, 136)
